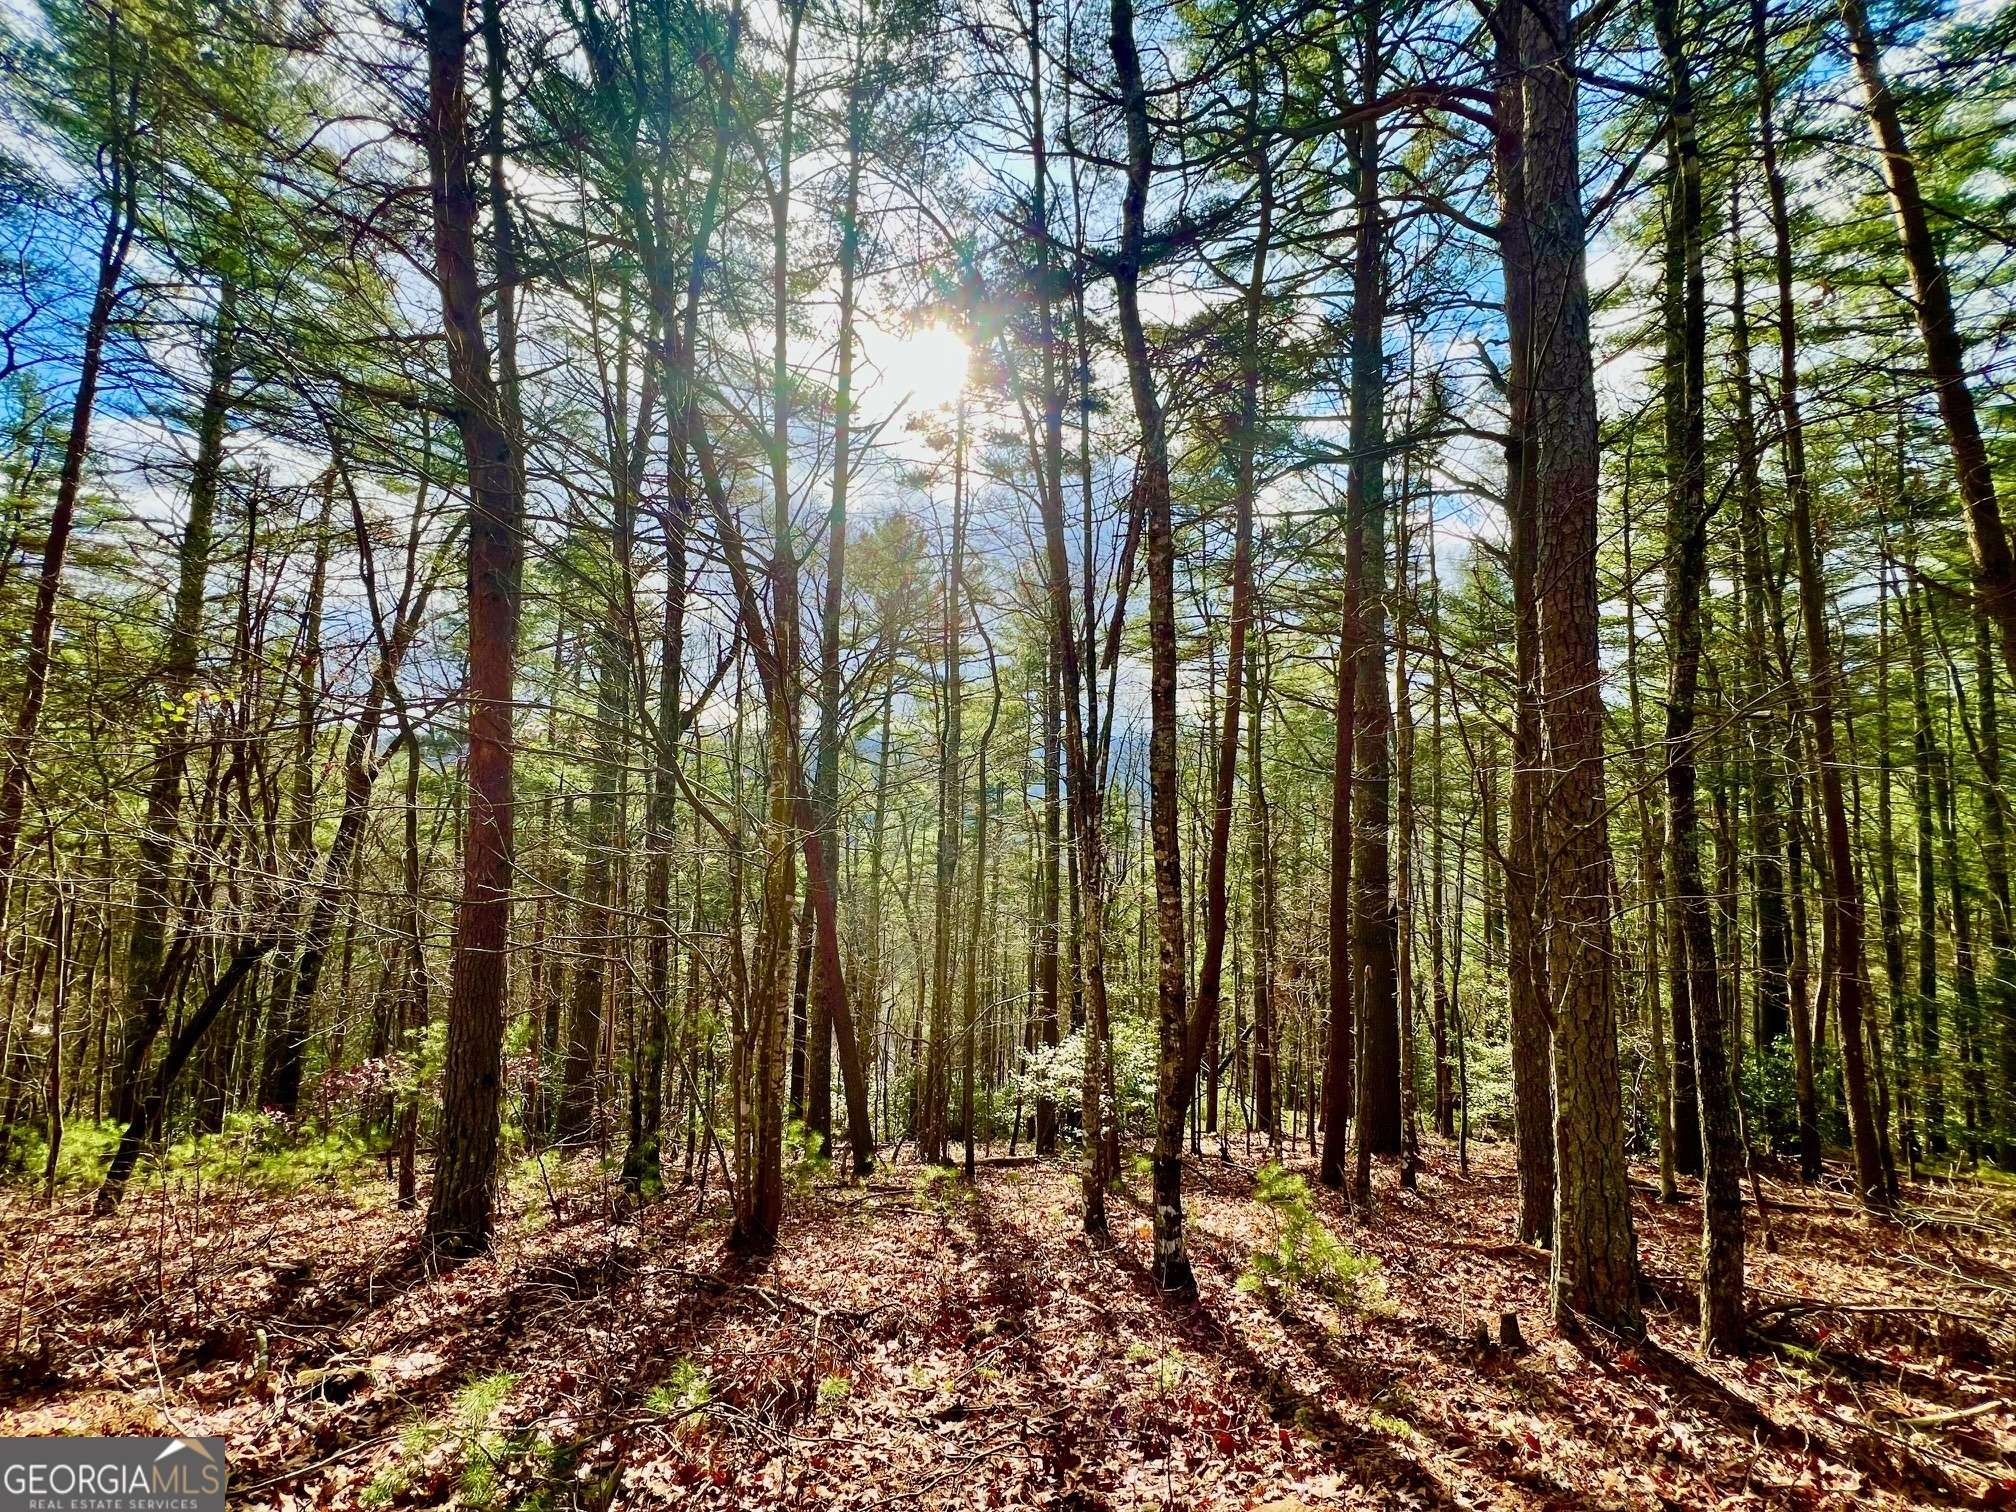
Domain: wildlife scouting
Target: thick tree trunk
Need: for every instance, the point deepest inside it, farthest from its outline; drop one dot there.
(826, 779)
(759, 1192)
(1374, 924)
(1526, 956)
(459, 1217)
(1595, 1269)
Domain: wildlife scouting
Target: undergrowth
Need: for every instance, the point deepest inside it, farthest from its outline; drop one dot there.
(257, 1150)
(467, 1441)
(1305, 1254)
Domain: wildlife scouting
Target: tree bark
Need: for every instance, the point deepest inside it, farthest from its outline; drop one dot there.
(1695, 969)
(1843, 890)
(1526, 956)
(1375, 923)
(1151, 485)
(460, 1214)
(1595, 1270)
(1939, 328)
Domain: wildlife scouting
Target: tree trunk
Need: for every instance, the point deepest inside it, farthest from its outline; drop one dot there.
(460, 1215)
(1266, 1115)
(934, 1090)
(1151, 485)
(1843, 890)
(1526, 956)
(1375, 924)
(143, 1008)
(1595, 1269)
(1767, 873)
(1939, 328)
(1695, 970)
(1995, 829)
(826, 781)
(1216, 905)
(1924, 758)
(146, 1122)
(121, 220)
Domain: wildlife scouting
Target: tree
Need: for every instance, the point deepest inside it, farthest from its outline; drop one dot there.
(1595, 1268)
(460, 1215)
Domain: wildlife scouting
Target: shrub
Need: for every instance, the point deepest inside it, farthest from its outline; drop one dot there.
(80, 1164)
(1305, 1252)
(806, 1162)
(685, 1389)
(468, 1437)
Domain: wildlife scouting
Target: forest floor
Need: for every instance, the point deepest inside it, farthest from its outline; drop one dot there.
(917, 1343)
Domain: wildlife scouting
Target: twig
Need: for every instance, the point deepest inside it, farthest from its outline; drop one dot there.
(322, 1464)
(1815, 1304)
(1957, 1415)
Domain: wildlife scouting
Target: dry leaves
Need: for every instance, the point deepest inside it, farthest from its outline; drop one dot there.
(922, 1345)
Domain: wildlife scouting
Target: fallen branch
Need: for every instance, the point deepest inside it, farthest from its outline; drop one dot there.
(1957, 1415)
(1797, 1305)
(322, 1464)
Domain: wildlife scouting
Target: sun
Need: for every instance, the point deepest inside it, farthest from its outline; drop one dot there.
(927, 362)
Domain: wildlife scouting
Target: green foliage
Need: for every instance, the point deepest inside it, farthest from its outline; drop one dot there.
(686, 1389)
(419, 1062)
(469, 1438)
(941, 1187)
(80, 1165)
(483, 1448)
(252, 1149)
(1057, 1072)
(806, 1163)
(1769, 1088)
(834, 1390)
(269, 1153)
(1305, 1253)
